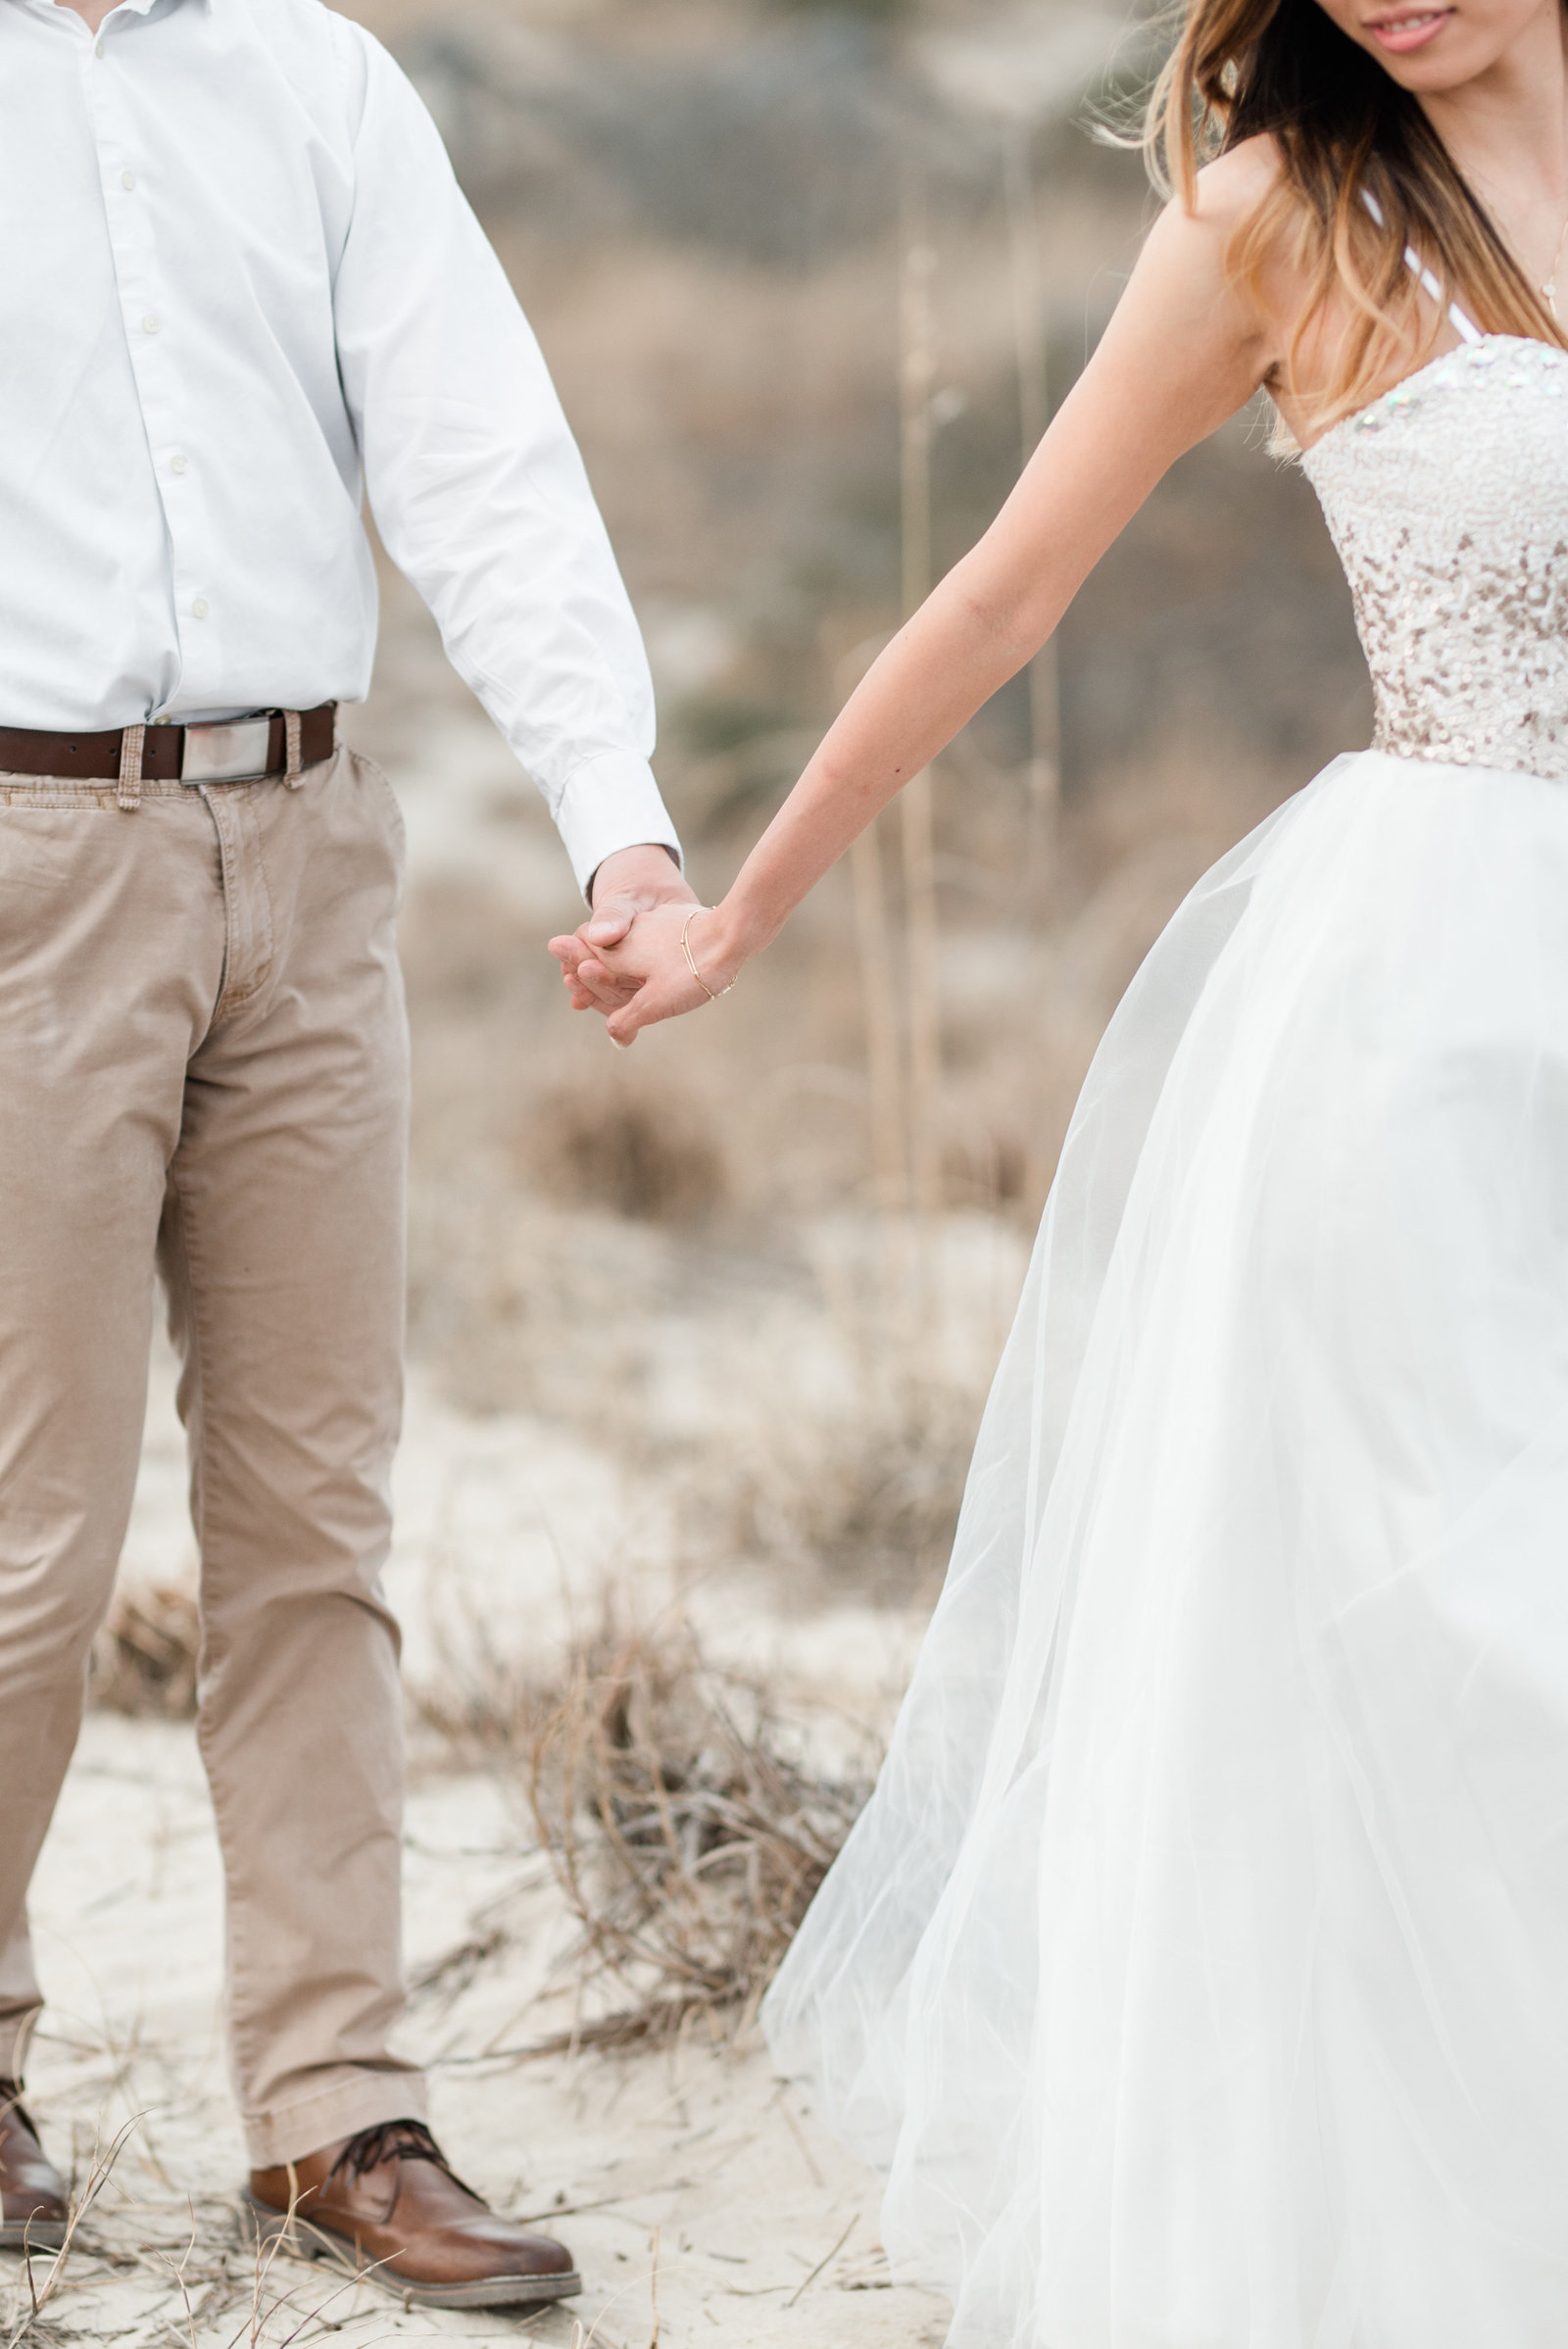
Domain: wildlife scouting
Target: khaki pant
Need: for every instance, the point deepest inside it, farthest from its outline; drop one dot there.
(204, 1065)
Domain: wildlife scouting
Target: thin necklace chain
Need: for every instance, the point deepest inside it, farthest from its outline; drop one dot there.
(1549, 289)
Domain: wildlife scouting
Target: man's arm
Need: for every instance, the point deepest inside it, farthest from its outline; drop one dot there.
(480, 494)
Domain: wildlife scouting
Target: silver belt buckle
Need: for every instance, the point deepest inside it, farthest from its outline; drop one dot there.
(237, 753)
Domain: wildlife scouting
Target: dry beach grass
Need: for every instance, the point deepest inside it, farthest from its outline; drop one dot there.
(685, 1820)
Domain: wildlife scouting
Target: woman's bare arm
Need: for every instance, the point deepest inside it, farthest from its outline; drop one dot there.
(1184, 350)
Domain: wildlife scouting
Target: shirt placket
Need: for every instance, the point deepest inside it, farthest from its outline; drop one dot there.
(156, 334)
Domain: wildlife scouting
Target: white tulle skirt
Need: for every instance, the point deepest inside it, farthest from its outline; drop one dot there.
(1198, 1972)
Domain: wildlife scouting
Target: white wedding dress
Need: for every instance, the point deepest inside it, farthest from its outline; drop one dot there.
(1198, 1972)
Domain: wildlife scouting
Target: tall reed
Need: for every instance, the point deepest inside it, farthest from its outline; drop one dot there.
(889, 1165)
(916, 384)
(1033, 414)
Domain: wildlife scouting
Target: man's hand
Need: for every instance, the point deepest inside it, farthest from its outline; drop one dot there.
(631, 882)
(654, 974)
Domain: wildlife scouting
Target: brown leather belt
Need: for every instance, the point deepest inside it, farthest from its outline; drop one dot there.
(233, 753)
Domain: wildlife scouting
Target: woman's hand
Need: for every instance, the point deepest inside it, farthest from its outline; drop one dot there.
(629, 883)
(652, 962)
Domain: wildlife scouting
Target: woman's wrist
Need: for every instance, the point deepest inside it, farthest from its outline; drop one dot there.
(720, 944)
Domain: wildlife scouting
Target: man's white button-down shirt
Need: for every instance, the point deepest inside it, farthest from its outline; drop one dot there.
(236, 273)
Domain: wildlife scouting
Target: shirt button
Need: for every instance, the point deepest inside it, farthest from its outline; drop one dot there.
(127, 181)
(151, 323)
(200, 608)
(98, 49)
(179, 463)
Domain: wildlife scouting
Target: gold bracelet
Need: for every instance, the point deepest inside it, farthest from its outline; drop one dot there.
(691, 959)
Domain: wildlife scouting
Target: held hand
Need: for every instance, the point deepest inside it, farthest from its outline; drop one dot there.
(674, 959)
(631, 883)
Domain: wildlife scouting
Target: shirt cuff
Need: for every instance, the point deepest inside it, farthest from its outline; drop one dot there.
(612, 802)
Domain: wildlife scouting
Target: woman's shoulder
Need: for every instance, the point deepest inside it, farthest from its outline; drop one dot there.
(1202, 236)
(1226, 194)
(1233, 187)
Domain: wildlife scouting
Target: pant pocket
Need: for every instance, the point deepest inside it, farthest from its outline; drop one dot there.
(381, 791)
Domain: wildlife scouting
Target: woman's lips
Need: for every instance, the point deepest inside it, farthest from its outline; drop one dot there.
(1399, 34)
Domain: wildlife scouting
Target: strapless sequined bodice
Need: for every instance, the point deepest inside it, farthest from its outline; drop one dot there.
(1447, 501)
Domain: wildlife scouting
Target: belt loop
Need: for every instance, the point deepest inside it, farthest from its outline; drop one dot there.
(131, 747)
(292, 735)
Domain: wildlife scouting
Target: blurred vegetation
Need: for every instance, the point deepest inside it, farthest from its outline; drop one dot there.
(878, 10)
(706, 202)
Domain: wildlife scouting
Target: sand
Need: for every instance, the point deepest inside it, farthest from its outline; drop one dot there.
(695, 2175)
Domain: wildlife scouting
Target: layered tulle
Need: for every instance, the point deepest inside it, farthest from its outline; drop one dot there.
(1198, 1972)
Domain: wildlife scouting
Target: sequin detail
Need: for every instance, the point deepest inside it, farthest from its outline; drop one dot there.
(1447, 500)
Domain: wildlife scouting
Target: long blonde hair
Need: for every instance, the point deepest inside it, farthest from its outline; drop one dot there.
(1345, 130)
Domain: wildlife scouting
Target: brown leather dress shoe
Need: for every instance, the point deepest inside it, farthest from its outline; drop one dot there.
(386, 2206)
(32, 2193)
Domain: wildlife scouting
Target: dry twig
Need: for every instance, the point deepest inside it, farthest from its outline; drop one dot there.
(684, 1827)
(144, 1659)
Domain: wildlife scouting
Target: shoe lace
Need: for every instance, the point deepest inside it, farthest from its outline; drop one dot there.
(391, 2141)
